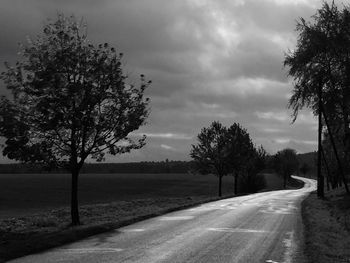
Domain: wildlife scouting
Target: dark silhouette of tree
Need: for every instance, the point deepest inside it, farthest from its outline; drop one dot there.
(318, 61)
(252, 181)
(210, 153)
(222, 151)
(167, 166)
(320, 66)
(70, 102)
(240, 151)
(329, 157)
(286, 163)
(304, 169)
(260, 158)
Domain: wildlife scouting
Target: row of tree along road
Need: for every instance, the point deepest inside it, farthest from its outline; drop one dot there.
(223, 151)
(230, 151)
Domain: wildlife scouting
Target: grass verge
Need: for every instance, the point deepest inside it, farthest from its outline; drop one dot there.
(327, 227)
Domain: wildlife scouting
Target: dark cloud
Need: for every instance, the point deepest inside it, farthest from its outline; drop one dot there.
(208, 60)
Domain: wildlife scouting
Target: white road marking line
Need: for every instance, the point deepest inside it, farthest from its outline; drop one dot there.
(173, 218)
(281, 212)
(270, 261)
(237, 230)
(132, 230)
(89, 250)
(230, 206)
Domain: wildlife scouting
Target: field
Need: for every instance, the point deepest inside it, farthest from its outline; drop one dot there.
(24, 194)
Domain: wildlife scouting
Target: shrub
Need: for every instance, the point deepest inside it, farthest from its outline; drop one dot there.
(252, 183)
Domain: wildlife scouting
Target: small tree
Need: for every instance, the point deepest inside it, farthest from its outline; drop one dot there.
(253, 180)
(240, 150)
(210, 154)
(286, 163)
(70, 101)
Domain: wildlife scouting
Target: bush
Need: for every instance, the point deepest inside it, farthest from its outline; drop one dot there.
(44, 222)
(252, 183)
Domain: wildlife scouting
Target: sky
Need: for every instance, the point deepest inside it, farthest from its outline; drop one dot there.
(208, 61)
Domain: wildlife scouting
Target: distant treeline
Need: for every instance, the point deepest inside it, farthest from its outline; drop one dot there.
(140, 167)
(135, 167)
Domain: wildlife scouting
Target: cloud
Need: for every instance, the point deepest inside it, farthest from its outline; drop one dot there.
(300, 145)
(278, 116)
(272, 130)
(208, 60)
(167, 136)
(167, 147)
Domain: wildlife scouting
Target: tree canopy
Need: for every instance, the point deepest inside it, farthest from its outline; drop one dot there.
(241, 147)
(240, 151)
(210, 153)
(321, 58)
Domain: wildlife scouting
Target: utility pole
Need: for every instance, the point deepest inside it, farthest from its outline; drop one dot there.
(320, 179)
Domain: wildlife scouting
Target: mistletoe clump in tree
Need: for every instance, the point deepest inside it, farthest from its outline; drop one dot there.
(70, 102)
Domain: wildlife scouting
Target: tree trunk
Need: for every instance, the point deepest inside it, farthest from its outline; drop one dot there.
(335, 152)
(220, 181)
(74, 198)
(285, 181)
(327, 169)
(320, 179)
(236, 184)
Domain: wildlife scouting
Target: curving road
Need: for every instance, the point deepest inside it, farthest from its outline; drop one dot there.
(262, 227)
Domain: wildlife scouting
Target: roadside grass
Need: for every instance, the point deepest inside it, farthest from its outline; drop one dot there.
(31, 234)
(327, 227)
(136, 197)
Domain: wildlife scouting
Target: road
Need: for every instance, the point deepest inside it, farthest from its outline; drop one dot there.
(262, 227)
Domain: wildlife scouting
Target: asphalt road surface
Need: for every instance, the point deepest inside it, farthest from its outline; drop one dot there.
(263, 227)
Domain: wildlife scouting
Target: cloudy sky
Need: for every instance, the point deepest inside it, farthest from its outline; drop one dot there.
(208, 60)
